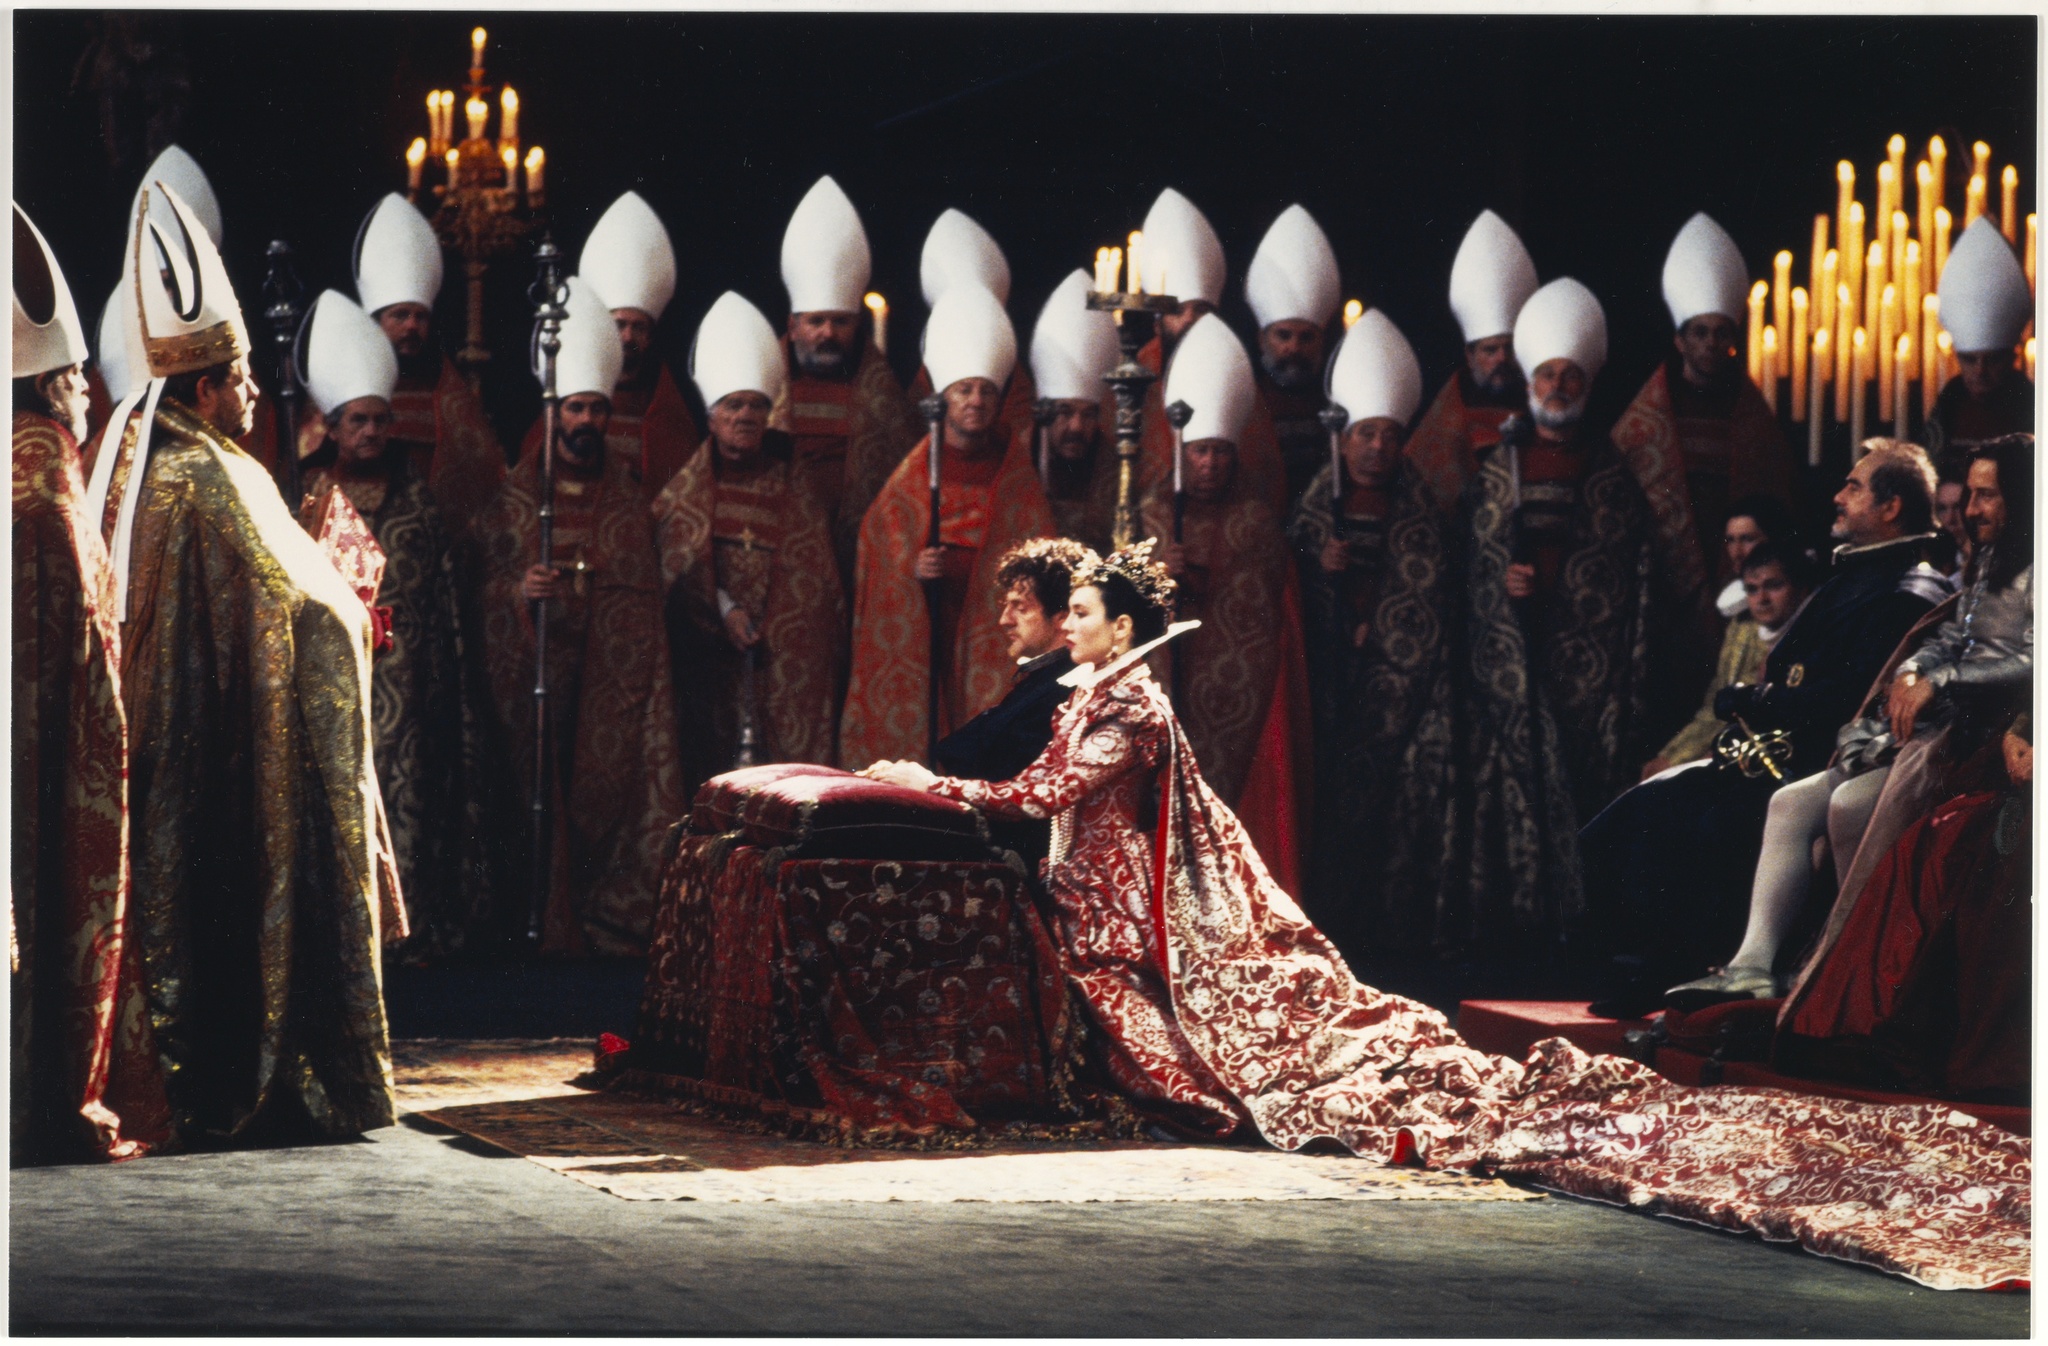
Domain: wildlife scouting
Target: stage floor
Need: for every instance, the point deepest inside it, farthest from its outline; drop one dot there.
(419, 1229)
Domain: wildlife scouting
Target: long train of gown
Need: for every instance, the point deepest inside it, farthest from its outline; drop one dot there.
(1246, 1015)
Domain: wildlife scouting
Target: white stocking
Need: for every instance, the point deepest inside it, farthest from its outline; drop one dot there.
(1798, 816)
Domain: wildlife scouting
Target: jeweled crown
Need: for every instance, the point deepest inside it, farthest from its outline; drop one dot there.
(1135, 566)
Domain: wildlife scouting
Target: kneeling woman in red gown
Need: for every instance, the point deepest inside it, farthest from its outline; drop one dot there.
(1224, 1009)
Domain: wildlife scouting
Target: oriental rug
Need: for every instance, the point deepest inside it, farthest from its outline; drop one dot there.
(521, 1097)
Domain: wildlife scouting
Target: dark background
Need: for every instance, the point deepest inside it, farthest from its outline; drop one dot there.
(1595, 137)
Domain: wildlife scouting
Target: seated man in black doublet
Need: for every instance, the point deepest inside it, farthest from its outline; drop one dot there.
(1007, 737)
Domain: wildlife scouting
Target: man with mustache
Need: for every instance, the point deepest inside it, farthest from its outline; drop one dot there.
(1491, 278)
(616, 782)
(1293, 289)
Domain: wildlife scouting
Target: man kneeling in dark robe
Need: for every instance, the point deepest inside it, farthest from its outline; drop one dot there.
(999, 743)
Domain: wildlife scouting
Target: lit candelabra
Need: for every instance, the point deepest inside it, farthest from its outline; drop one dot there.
(1869, 312)
(484, 213)
(1129, 379)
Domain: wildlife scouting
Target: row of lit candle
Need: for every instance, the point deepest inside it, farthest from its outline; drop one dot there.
(1869, 310)
(508, 155)
(441, 118)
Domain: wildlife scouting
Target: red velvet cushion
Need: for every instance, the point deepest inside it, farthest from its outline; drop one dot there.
(840, 814)
(1739, 1030)
(718, 801)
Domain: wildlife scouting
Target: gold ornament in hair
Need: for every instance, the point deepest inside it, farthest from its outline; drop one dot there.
(1135, 566)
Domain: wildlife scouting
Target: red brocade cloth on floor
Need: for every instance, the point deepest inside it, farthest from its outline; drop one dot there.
(1221, 1007)
(881, 997)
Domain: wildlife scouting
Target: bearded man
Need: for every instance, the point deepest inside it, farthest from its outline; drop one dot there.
(1073, 348)
(263, 873)
(613, 767)
(843, 408)
(754, 605)
(1491, 278)
(85, 1080)
(429, 708)
(1240, 680)
(1376, 569)
(1293, 288)
(437, 420)
(989, 500)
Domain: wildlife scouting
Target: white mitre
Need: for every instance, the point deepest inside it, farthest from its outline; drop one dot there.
(1073, 347)
(123, 367)
(1293, 275)
(957, 249)
(1985, 304)
(1213, 375)
(736, 351)
(47, 332)
(629, 258)
(825, 258)
(345, 354)
(1704, 273)
(1491, 278)
(591, 355)
(189, 316)
(1562, 321)
(182, 174)
(1180, 253)
(969, 336)
(397, 258)
(1376, 374)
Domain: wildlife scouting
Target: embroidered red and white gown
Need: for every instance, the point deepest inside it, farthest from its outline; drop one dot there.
(1244, 1014)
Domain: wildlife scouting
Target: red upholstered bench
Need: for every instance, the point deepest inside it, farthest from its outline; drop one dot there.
(851, 954)
(1511, 1027)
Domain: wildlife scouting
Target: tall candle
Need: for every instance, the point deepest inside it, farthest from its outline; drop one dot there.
(476, 47)
(1924, 217)
(1859, 380)
(878, 312)
(1781, 306)
(478, 112)
(1930, 351)
(1757, 292)
(2030, 359)
(1980, 161)
(1942, 223)
(1973, 199)
(1909, 286)
(454, 159)
(1816, 398)
(510, 158)
(447, 118)
(508, 116)
(1873, 285)
(1798, 344)
(1902, 360)
(1895, 246)
(1887, 193)
(1845, 349)
(1845, 196)
(434, 118)
(1824, 297)
(2009, 204)
(1887, 340)
(1937, 164)
(1852, 258)
(1895, 153)
(1946, 344)
(2028, 260)
(1137, 260)
(1770, 366)
(1817, 256)
(1116, 269)
(415, 161)
(536, 167)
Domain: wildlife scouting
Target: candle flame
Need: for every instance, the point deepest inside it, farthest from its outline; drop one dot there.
(536, 158)
(416, 153)
(1759, 292)
(1845, 173)
(509, 100)
(1353, 311)
(511, 158)
(1896, 145)
(875, 302)
(2010, 177)
(477, 37)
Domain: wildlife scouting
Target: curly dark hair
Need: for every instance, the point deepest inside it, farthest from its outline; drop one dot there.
(1133, 585)
(1049, 565)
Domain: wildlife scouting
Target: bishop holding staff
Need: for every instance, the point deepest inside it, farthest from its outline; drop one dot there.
(614, 780)
(437, 421)
(1377, 572)
(1240, 680)
(84, 1079)
(263, 876)
(957, 251)
(755, 610)
(1491, 278)
(843, 408)
(429, 708)
(989, 500)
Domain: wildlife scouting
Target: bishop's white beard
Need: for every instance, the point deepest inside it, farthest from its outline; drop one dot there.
(1562, 419)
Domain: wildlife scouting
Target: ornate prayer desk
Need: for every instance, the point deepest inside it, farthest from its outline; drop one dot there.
(847, 957)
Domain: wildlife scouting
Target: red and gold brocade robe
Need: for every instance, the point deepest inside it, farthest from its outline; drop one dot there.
(84, 1069)
(986, 506)
(1241, 681)
(1020, 394)
(617, 786)
(756, 536)
(442, 426)
(651, 431)
(1446, 443)
(1258, 447)
(1220, 1007)
(1694, 455)
(262, 863)
(849, 436)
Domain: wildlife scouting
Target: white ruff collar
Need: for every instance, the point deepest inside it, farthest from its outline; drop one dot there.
(1087, 675)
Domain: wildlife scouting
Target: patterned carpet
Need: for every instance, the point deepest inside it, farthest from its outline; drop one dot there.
(516, 1095)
